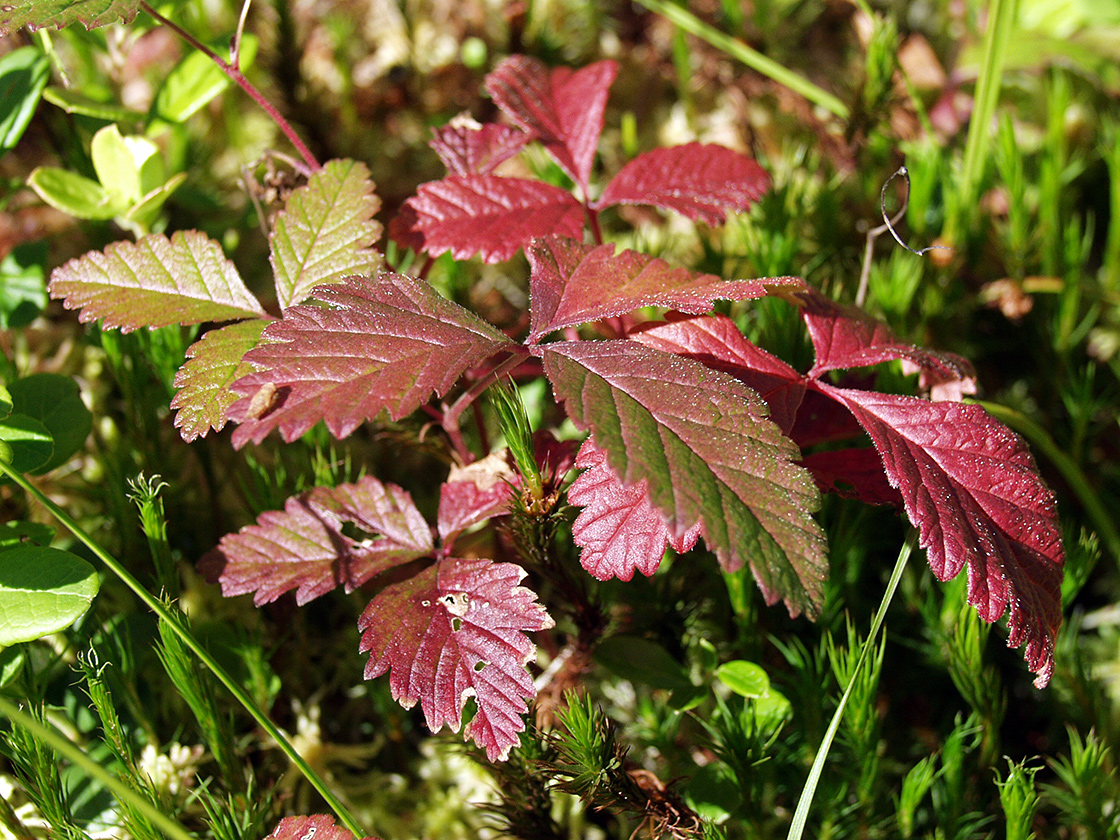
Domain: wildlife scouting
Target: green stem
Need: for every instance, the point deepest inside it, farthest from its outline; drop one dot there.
(748, 56)
(1101, 518)
(204, 656)
(64, 747)
(801, 815)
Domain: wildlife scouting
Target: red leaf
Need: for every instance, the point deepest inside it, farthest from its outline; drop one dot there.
(847, 337)
(717, 343)
(458, 629)
(380, 344)
(618, 529)
(572, 283)
(707, 452)
(490, 216)
(698, 180)
(970, 486)
(562, 108)
(302, 547)
(316, 827)
(469, 148)
(473, 494)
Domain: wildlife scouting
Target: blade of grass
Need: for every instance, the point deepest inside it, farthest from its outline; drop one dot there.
(748, 56)
(189, 640)
(801, 815)
(70, 751)
(1002, 17)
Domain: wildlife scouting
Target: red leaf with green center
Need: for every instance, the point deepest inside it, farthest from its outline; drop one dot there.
(701, 181)
(379, 344)
(847, 337)
(717, 343)
(325, 231)
(42, 14)
(469, 148)
(708, 453)
(155, 282)
(453, 631)
(572, 283)
(488, 215)
(618, 530)
(563, 108)
(315, 827)
(970, 486)
(214, 363)
(302, 547)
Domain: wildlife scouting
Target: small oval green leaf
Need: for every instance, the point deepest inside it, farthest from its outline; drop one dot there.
(744, 678)
(194, 82)
(42, 590)
(74, 194)
(76, 103)
(56, 402)
(115, 165)
(5, 402)
(30, 443)
(23, 289)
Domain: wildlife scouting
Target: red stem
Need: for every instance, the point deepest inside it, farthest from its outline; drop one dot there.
(235, 74)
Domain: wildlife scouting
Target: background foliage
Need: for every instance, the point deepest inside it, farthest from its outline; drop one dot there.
(695, 681)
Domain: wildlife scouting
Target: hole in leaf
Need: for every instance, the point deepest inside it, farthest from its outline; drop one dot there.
(456, 623)
(478, 666)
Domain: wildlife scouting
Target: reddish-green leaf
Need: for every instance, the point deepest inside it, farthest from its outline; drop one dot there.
(325, 231)
(315, 827)
(618, 530)
(700, 181)
(470, 148)
(563, 108)
(473, 494)
(302, 547)
(380, 344)
(715, 341)
(847, 337)
(708, 453)
(453, 631)
(572, 283)
(155, 282)
(488, 215)
(214, 362)
(970, 486)
(41, 14)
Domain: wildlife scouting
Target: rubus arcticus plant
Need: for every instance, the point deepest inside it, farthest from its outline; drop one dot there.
(692, 431)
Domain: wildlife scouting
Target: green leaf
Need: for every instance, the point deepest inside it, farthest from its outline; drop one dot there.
(214, 362)
(23, 290)
(642, 661)
(325, 231)
(144, 211)
(23, 75)
(21, 532)
(73, 102)
(11, 663)
(155, 282)
(40, 14)
(744, 678)
(42, 591)
(707, 452)
(74, 194)
(117, 168)
(55, 401)
(195, 82)
(29, 441)
(5, 402)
